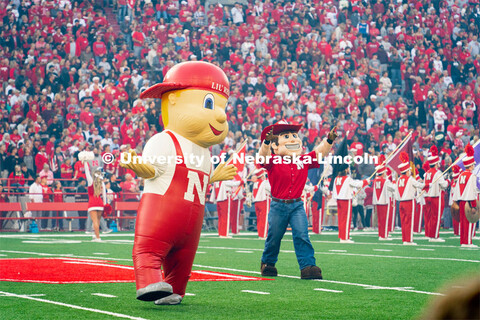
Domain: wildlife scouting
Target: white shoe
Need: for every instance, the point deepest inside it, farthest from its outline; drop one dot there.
(347, 241)
(384, 239)
(107, 231)
(263, 238)
(88, 232)
(469, 246)
(172, 299)
(436, 240)
(96, 239)
(225, 237)
(409, 243)
(355, 229)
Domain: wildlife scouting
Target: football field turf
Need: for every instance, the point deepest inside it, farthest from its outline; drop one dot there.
(365, 280)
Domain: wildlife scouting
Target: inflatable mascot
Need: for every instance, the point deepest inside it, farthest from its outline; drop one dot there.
(177, 167)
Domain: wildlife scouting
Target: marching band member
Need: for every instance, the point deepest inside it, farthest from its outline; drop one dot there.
(393, 203)
(467, 198)
(434, 203)
(405, 194)
(307, 195)
(382, 186)
(454, 193)
(318, 215)
(225, 203)
(261, 199)
(343, 190)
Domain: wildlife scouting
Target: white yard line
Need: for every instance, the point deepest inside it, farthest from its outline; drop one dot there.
(337, 250)
(382, 250)
(244, 251)
(370, 243)
(328, 290)
(101, 253)
(28, 295)
(190, 294)
(425, 249)
(355, 254)
(72, 306)
(327, 281)
(104, 295)
(256, 292)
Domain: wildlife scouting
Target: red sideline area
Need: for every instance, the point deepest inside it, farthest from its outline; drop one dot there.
(71, 270)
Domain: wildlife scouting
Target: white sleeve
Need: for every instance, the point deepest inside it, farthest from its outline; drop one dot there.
(442, 183)
(157, 151)
(87, 174)
(356, 183)
(231, 183)
(390, 186)
(418, 184)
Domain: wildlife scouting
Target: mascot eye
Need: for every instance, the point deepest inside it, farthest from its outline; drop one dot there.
(294, 136)
(287, 136)
(209, 101)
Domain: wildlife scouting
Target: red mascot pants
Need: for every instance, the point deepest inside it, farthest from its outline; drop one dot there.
(224, 209)
(417, 221)
(261, 209)
(167, 232)
(433, 214)
(467, 229)
(382, 214)
(344, 209)
(317, 217)
(407, 209)
(391, 215)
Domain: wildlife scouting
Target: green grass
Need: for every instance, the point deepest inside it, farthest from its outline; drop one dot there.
(289, 298)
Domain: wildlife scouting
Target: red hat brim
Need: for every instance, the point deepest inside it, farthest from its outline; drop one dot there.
(158, 89)
(279, 128)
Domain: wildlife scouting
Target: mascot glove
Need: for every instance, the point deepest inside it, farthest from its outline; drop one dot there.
(224, 172)
(143, 170)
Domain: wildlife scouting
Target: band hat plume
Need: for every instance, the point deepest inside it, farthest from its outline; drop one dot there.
(405, 165)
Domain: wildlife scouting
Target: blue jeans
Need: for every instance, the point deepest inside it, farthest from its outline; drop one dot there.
(280, 215)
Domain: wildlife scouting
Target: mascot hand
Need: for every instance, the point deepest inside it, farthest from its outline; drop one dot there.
(270, 136)
(143, 170)
(332, 135)
(223, 173)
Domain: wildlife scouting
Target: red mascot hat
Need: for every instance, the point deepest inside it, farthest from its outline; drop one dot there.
(279, 127)
(405, 165)
(191, 75)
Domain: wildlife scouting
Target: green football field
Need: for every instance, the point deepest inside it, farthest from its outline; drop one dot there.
(365, 280)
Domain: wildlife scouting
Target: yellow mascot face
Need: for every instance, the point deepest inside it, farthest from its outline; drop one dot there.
(198, 115)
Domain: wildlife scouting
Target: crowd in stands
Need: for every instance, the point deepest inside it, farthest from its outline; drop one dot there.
(72, 72)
